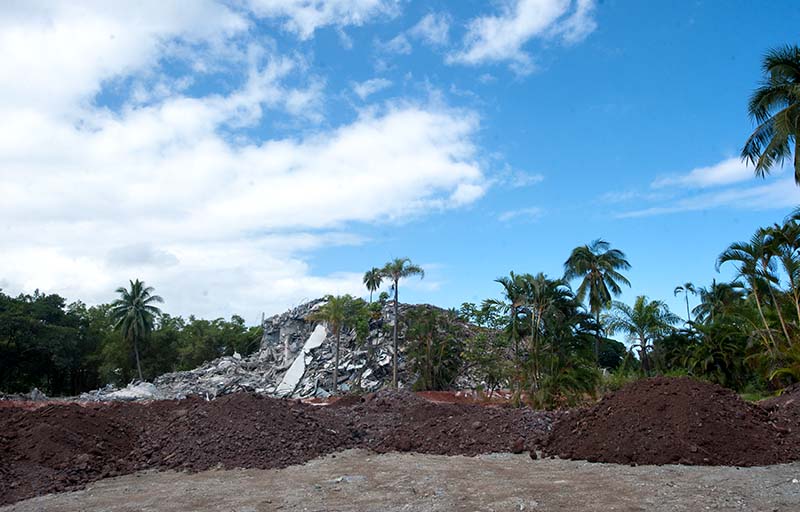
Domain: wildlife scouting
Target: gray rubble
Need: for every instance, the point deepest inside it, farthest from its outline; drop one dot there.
(366, 366)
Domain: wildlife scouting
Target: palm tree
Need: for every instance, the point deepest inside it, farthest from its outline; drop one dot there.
(599, 268)
(335, 314)
(394, 271)
(372, 280)
(720, 299)
(749, 258)
(134, 314)
(686, 289)
(775, 107)
(643, 324)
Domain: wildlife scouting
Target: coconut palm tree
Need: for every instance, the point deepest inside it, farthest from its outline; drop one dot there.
(686, 289)
(775, 108)
(598, 266)
(335, 314)
(643, 324)
(372, 280)
(394, 271)
(134, 314)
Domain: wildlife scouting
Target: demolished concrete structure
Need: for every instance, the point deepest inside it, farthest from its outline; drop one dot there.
(295, 359)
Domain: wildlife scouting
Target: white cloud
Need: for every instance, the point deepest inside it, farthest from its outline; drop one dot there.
(369, 87)
(779, 194)
(728, 183)
(303, 17)
(433, 28)
(501, 37)
(529, 214)
(726, 172)
(175, 189)
(398, 44)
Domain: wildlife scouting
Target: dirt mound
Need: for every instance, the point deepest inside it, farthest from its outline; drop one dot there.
(239, 430)
(63, 447)
(401, 420)
(672, 421)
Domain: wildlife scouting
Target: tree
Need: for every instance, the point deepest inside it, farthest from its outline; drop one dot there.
(335, 314)
(435, 348)
(750, 260)
(598, 266)
(394, 271)
(134, 315)
(686, 289)
(372, 280)
(643, 324)
(775, 108)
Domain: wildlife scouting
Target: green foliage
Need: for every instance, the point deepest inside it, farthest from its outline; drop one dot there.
(46, 344)
(435, 348)
(775, 107)
(612, 354)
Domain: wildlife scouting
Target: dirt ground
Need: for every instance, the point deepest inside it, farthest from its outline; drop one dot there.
(358, 480)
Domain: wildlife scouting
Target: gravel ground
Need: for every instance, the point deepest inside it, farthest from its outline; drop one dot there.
(358, 480)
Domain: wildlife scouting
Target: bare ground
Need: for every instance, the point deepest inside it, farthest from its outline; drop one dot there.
(358, 480)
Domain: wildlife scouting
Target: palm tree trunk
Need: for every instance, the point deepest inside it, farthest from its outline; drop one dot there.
(761, 314)
(597, 339)
(136, 352)
(688, 313)
(394, 337)
(336, 363)
(780, 316)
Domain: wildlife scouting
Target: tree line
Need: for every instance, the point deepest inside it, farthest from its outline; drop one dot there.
(67, 348)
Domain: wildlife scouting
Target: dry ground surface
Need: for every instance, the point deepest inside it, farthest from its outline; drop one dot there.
(359, 480)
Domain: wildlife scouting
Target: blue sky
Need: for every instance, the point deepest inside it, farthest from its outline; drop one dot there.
(242, 156)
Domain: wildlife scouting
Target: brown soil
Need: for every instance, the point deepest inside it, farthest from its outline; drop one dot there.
(65, 446)
(673, 421)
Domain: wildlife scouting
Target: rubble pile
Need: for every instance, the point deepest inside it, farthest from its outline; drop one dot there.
(295, 359)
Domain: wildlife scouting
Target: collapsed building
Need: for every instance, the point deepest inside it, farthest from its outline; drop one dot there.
(295, 359)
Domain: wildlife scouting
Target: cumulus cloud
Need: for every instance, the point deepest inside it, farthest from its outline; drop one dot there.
(501, 37)
(180, 190)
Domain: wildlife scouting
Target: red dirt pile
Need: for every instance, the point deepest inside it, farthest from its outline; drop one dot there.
(673, 421)
(64, 447)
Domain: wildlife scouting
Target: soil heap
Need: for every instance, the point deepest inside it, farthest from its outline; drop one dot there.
(63, 447)
(672, 421)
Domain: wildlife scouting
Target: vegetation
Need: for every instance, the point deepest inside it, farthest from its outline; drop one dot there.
(134, 315)
(775, 108)
(339, 312)
(598, 266)
(68, 348)
(395, 270)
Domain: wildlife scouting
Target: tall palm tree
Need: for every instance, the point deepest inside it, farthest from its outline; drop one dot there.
(748, 256)
(686, 289)
(394, 271)
(335, 314)
(134, 314)
(372, 280)
(775, 107)
(598, 266)
(786, 247)
(643, 324)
